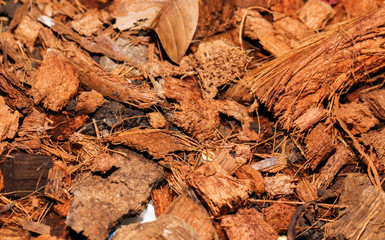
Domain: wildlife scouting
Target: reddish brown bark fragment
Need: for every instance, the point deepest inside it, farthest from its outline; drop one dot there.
(357, 117)
(293, 29)
(188, 208)
(258, 28)
(376, 139)
(56, 81)
(340, 158)
(27, 31)
(100, 202)
(358, 8)
(102, 163)
(315, 14)
(198, 117)
(220, 191)
(165, 227)
(306, 190)
(177, 89)
(219, 64)
(157, 120)
(9, 121)
(376, 101)
(247, 224)
(66, 127)
(157, 143)
(278, 216)
(88, 102)
(161, 198)
(319, 145)
(87, 24)
(252, 179)
(55, 187)
(32, 129)
(288, 7)
(279, 185)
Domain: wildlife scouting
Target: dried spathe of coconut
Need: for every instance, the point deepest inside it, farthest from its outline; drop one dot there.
(219, 64)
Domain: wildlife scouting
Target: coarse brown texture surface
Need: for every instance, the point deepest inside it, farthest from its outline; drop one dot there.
(258, 28)
(365, 211)
(271, 107)
(32, 128)
(247, 224)
(221, 192)
(165, 227)
(357, 116)
(197, 117)
(319, 145)
(88, 102)
(158, 143)
(9, 121)
(219, 64)
(279, 185)
(315, 14)
(251, 178)
(278, 216)
(157, 120)
(100, 202)
(188, 208)
(375, 138)
(376, 101)
(56, 81)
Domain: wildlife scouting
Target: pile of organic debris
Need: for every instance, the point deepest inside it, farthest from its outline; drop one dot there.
(258, 119)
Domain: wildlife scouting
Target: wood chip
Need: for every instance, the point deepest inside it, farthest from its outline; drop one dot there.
(315, 14)
(219, 190)
(9, 121)
(279, 185)
(56, 81)
(247, 224)
(100, 202)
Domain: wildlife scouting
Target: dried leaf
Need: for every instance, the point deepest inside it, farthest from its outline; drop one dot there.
(176, 27)
(174, 21)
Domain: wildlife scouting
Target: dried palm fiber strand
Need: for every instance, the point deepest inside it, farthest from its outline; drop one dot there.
(296, 85)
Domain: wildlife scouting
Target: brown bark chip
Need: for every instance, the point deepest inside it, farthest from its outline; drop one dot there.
(56, 81)
(198, 117)
(357, 116)
(278, 216)
(9, 121)
(100, 202)
(357, 8)
(220, 63)
(32, 129)
(247, 224)
(188, 208)
(87, 24)
(319, 145)
(258, 28)
(157, 120)
(376, 101)
(364, 217)
(157, 143)
(88, 102)
(376, 139)
(221, 192)
(279, 185)
(166, 227)
(315, 14)
(27, 31)
(252, 178)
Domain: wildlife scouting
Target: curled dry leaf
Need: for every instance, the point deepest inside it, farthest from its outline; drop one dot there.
(176, 26)
(174, 21)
